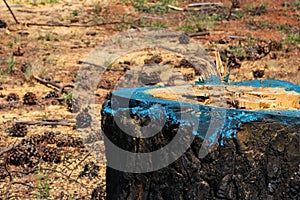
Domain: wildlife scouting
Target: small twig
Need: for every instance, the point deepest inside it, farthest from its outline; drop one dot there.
(244, 38)
(61, 88)
(11, 12)
(40, 80)
(135, 27)
(77, 25)
(23, 173)
(65, 175)
(8, 172)
(13, 6)
(236, 37)
(193, 8)
(46, 123)
(198, 34)
(66, 86)
(205, 4)
(169, 49)
(87, 155)
(22, 197)
(151, 17)
(8, 148)
(21, 183)
(100, 66)
(176, 8)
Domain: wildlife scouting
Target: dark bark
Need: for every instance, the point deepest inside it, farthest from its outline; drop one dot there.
(262, 162)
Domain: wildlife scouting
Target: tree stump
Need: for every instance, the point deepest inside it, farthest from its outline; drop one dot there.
(249, 151)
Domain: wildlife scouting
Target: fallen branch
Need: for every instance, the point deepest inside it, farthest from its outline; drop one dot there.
(193, 8)
(47, 123)
(176, 8)
(236, 37)
(47, 83)
(205, 4)
(198, 34)
(244, 38)
(8, 187)
(13, 6)
(21, 183)
(135, 27)
(87, 155)
(150, 17)
(67, 177)
(76, 25)
(7, 149)
(11, 12)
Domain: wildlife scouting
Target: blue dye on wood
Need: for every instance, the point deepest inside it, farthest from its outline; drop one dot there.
(269, 83)
(138, 102)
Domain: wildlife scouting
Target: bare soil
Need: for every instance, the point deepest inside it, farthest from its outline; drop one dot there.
(41, 153)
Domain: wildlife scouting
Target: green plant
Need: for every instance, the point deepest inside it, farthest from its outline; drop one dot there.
(96, 20)
(108, 64)
(60, 17)
(124, 26)
(10, 44)
(121, 27)
(284, 28)
(67, 97)
(75, 12)
(11, 65)
(237, 52)
(45, 2)
(43, 189)
(187, 28)
(17, 39)
(1, 70)
(264, 25)
(257, 10)
(158, 25)
(28, 71)
(14, 41)
(251, 22)
(71, 16)
(250, 42)
(285, 4)
(293, 38)
(239, 14)
(216, 17)
(48, 36)
(75, 74)
(297, 3)
(157, 7)
(197, 22)
(44, 116)
(98, 7)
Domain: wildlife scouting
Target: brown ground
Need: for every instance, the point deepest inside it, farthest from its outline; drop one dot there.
(57, 166)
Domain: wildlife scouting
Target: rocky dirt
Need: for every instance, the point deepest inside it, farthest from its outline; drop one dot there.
(41, 152)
